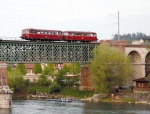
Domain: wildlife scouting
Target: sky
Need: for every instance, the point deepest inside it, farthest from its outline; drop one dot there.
(100, 16)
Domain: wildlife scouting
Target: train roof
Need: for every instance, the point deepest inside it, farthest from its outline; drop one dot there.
(61, 31)
(80, 32)
(42, 29)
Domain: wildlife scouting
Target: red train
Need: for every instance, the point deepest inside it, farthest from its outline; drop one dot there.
(57, 35)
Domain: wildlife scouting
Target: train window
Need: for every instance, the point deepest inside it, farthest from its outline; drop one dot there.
(30, 31)
(90, 34)
(42, 32)
(78, 34)
(27, 31)
(95, 35)
(60, 33)
(65, 33)
(38, 32)
(53, 33)
(45, 32)
(34, 31)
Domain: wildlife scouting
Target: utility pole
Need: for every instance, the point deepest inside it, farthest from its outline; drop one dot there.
(118, 27)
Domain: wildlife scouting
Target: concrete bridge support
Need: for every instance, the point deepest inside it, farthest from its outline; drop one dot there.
(5, 92)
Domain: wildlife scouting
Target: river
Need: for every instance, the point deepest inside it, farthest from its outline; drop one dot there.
(75, 107)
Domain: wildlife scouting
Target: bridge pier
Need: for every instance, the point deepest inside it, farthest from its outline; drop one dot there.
(5, 92)
(85, 79)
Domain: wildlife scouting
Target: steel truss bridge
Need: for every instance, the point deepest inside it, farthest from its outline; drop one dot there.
(45, 52)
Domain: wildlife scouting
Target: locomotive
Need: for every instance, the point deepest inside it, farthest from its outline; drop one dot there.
(57, 35)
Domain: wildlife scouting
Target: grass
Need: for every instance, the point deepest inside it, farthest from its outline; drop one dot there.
(128, 100)
(75, 92)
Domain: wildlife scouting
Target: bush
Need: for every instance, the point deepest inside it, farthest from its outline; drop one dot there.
(36, 89)
(55, 87)
(75, 92)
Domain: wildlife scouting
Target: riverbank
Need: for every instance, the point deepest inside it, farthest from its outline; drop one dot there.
(143, 98)
(122, 96)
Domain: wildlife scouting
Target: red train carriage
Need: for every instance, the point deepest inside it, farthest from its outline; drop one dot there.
(39, 34)
(80, 36)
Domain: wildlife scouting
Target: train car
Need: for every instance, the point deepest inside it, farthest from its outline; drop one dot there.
(80, 36)
(40, 34)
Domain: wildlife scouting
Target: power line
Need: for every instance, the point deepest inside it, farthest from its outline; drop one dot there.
(118, 27)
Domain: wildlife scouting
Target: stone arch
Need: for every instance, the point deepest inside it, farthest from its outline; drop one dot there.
(136, 59)
(147, 61)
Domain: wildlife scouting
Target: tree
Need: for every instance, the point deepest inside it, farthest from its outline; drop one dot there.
(9, 68)
(54, 87)
(37, 68)
(15, 80)
(75, 68)
(43, 81)
(60, 77)
(108, 68)
(21, 68)
(48, 70)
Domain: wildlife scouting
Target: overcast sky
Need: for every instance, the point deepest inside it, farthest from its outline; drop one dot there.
(100, 16)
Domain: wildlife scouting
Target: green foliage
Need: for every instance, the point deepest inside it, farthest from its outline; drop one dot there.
(37, 89)
(55, 87)
(42, 81)
(15, 81)
(9, 68)
(60, 78)
(65, 69)
(106, 99)
(37, 68)
(74, 68)
(21, 68)
(75, 92)
(63, 80)
(108, 68)
(71, 81)
(132, 36)
(48, 70)
(27, 82)
(127, 99)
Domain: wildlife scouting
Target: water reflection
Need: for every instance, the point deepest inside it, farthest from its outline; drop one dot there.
(5, 111)
(116, 108)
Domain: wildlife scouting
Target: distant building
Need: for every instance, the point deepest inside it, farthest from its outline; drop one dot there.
(138, 42)
(30, 75)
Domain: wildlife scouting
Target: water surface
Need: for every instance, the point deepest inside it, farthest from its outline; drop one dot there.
(77, 107)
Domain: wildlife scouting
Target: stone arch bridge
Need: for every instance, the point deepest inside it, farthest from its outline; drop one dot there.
(140, 59)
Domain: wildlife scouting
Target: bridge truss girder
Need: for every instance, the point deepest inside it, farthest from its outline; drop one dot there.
(45, 52)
